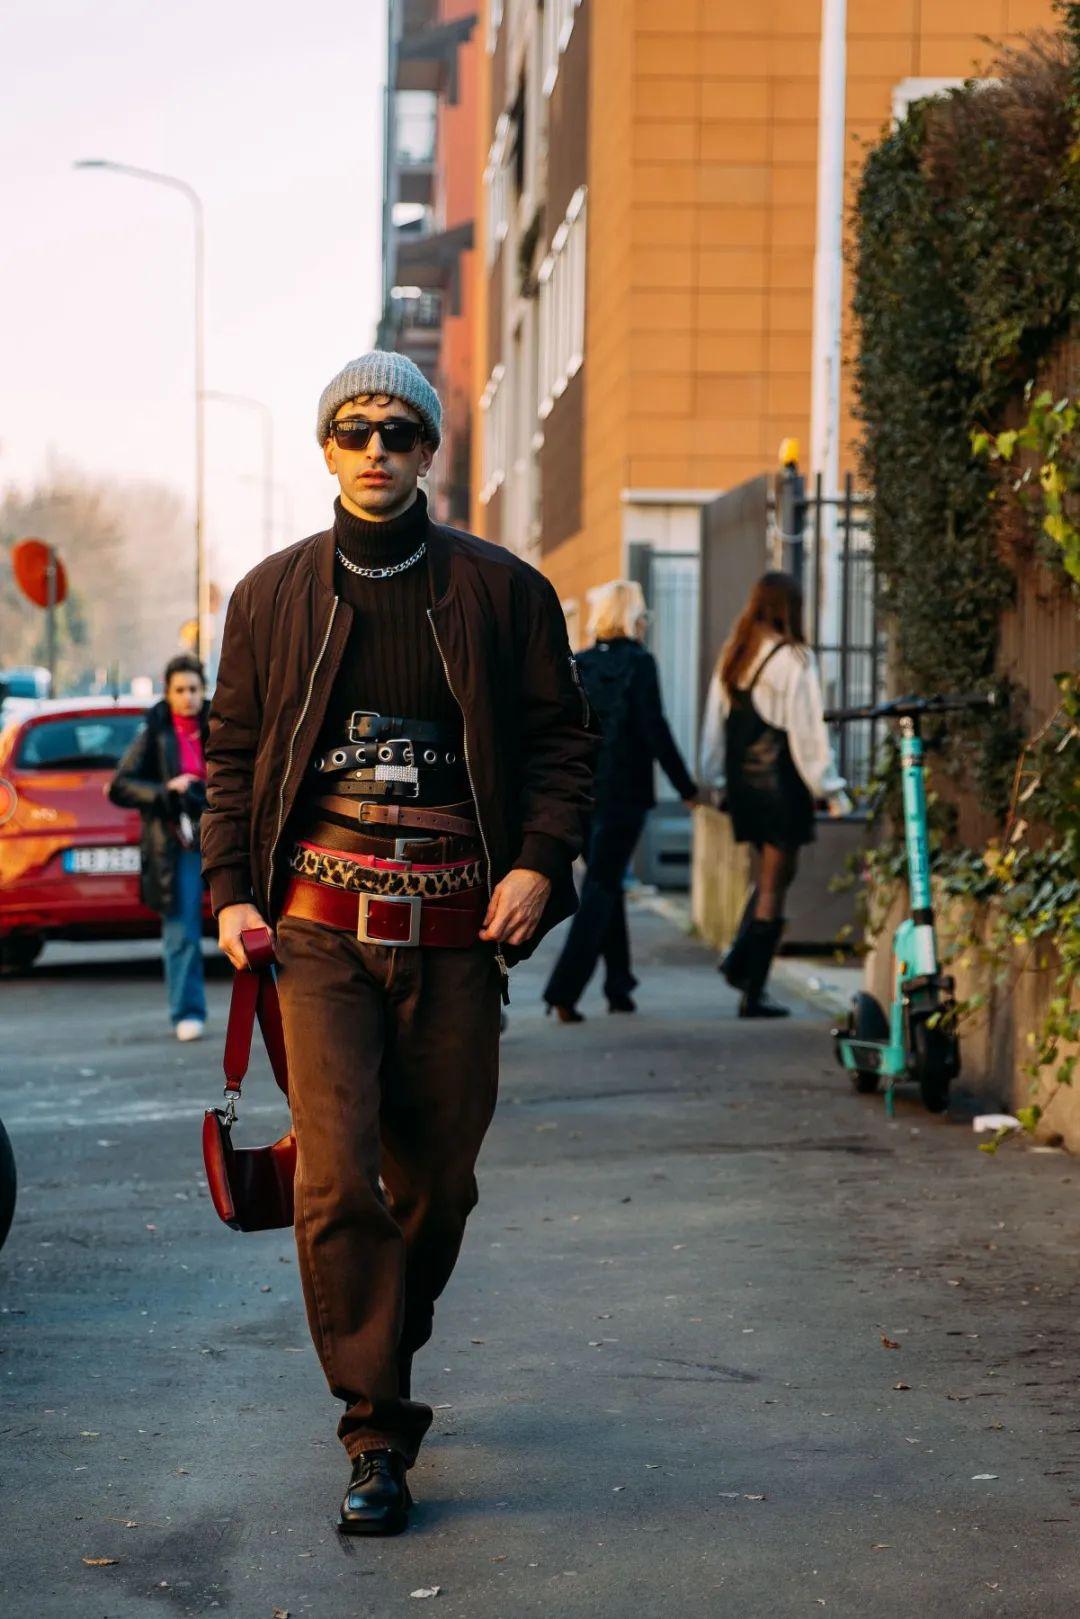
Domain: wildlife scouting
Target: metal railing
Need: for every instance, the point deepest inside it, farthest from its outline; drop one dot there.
(844, 633)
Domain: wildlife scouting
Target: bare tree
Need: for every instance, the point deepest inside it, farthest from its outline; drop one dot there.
(129, 556)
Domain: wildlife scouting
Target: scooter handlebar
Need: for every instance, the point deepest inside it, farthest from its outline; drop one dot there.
(900, 707)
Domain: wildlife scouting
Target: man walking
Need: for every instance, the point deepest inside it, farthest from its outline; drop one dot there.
(399, 767)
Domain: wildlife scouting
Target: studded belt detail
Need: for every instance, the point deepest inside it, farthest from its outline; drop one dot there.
(368, 874)
(395, 760)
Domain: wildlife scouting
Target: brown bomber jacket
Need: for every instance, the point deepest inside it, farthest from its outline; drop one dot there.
(497, 622)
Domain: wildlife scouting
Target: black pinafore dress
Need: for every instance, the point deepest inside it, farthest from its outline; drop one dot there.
(767, 799)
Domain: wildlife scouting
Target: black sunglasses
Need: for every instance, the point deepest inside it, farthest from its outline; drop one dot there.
(397, 437)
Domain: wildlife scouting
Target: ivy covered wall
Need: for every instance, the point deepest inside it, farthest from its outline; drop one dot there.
(967, 249)
(967, 298)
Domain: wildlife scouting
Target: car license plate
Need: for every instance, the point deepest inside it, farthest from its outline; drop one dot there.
(102, 862)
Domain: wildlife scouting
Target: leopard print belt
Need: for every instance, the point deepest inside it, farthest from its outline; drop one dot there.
(339, 871)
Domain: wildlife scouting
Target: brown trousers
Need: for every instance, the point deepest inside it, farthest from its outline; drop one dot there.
(393, 1072)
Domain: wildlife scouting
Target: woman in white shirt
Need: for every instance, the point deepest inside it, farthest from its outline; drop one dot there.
(765, 746)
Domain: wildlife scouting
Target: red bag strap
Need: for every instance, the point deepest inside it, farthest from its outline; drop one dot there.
(254, 995)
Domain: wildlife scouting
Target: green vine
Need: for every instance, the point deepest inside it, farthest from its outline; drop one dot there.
(967, 248)
(967, 281)
(1045, 482)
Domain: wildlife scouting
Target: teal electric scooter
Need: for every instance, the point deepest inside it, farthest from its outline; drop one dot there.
(917, 1039)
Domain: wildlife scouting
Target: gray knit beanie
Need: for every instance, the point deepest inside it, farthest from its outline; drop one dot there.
(381, 372)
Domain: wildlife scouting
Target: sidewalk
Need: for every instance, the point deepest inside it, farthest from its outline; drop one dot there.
(724, 1343)
(821, 981)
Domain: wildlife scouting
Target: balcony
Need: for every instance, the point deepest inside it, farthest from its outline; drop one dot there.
(418, 14)
(412, 324)
(432, 262)
(428, 59)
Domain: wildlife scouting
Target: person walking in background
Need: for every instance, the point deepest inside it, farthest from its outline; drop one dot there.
(623, 689)
(765, 749)
(163, 776)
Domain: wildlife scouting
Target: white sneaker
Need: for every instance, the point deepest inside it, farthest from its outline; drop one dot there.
(190, 1028)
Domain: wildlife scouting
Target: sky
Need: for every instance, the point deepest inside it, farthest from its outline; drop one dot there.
(273, 112)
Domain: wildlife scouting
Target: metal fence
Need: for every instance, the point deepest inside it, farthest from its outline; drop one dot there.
(844, 633)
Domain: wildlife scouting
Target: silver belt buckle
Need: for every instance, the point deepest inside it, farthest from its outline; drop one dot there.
(412, 900)
(362, 714)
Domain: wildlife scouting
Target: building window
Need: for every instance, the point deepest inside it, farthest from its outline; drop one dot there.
(562, 306)
(497, 186)
(494, 403)
(558, 26)
(416, 127)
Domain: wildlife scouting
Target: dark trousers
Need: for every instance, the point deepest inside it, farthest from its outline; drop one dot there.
(599, 926)
(393, 1072)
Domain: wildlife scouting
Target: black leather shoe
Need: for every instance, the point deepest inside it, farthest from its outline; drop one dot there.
(377, 1501)
(762, 1006)
(622, 1003)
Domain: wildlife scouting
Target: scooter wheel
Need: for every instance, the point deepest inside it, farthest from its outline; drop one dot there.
(934, 1064)
(866, 1021)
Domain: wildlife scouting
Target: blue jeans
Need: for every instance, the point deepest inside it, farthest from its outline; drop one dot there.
(181, 936)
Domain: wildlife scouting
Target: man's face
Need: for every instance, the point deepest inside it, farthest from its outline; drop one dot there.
(375, 482)
(185, 694)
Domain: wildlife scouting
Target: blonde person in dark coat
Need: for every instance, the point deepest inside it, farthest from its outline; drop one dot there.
(622, 686)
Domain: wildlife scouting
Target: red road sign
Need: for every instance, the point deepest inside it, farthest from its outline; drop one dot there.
(30, 565)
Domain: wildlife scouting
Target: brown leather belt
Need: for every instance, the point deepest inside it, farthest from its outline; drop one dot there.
(427, 820)
(450, 922)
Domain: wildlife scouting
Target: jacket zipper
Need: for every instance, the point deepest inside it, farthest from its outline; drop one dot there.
(292, 745)
(499, 957)
(575, 675)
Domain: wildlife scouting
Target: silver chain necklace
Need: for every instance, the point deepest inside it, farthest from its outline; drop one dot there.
(380, 573)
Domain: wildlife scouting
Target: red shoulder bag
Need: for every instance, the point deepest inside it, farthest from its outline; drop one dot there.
(251, 1187)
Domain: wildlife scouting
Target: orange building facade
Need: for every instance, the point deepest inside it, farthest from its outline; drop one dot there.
(694, 162)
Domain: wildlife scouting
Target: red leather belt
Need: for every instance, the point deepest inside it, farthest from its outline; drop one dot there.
(384, 861)
(451, 922)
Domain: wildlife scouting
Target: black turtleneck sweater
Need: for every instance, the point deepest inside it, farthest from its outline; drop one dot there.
(391, 663)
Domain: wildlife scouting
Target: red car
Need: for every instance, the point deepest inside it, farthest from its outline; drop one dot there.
(69, 859)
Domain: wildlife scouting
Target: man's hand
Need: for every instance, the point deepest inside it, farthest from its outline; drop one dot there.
(180, 784)
(516, 907)
(232, 921)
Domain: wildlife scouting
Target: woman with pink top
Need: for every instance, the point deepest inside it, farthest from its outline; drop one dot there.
(163, 776)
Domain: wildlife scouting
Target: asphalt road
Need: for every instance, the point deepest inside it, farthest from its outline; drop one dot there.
(723, 1341)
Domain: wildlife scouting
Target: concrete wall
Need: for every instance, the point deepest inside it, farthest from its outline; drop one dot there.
(995, 1043)
(720, 880)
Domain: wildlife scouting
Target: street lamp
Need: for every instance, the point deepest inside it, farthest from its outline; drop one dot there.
(268, 455)
(202, 577)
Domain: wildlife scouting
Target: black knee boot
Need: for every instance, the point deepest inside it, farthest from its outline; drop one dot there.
(733, 965)
(762, 940)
